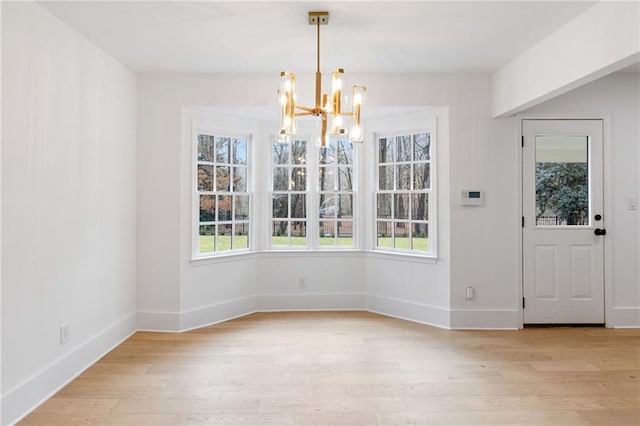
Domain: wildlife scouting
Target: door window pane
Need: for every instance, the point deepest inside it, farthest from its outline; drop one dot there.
(562, 180)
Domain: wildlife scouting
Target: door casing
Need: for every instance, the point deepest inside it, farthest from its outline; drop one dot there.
(607, 189)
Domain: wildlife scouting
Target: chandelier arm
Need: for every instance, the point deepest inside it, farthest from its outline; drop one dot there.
(300, 114)
(305, 108)
(318, 74)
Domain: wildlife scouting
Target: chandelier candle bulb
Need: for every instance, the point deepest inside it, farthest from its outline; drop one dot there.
(287, 103)
(336, 91)
(357, 100)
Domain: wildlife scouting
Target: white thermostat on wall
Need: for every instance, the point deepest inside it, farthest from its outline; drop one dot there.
(471, 197)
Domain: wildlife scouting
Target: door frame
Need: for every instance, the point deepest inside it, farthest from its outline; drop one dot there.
(607, 201)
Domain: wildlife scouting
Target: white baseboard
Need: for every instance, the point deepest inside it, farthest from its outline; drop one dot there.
(176, 322)
(21, 400)
(624, 318)
(216, 313)
(498, 319)
(410, 311)
(167, 322)
(311, 302)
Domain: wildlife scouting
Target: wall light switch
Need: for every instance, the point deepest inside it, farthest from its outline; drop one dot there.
(632, 203)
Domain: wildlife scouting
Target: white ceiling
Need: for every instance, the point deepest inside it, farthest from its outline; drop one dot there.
(267, 37)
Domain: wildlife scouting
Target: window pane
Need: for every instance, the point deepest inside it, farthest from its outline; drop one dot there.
(299, 152)
(327, 155)
(299, 233)
(223, 145)
(224, 236)
(385, 177)
(384, 234)
(403, 176)
(205, 148)
(240, 179)
(241, 207)
(420, 237)
(326, 178)
(205, 178)
(239, 151)
(401, 235)
(206, 238)
(421, 147)
(280, 179)
(345, 152)
(345, 209)
(345, 233)
(562, 180)
(207, 208)
(241, 236)
(224, 208)
(404, 148)
(401, 206)
(327, 233)
(280, 233)
(298, 205)
(328, 205)
(421, 176)
(280, 203)
(386, 150)
(280, 153)
(384, 206)
(299, 179)
(419, 206)
(222, 178)
(345, 179)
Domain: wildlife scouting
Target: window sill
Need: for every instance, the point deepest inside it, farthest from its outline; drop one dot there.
(403, 256)
(351, 252)
(223, 257)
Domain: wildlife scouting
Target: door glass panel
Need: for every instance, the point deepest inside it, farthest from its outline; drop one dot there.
(562, 180)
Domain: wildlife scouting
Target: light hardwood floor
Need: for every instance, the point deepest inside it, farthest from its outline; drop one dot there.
(332, 368)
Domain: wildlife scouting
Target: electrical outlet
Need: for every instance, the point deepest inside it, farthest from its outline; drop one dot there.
(302, 282)
(469, 294)
(64, 334)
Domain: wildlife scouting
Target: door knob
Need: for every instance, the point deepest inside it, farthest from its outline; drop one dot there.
(599, 231)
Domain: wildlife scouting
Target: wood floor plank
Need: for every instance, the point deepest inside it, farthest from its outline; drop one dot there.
(356, 368)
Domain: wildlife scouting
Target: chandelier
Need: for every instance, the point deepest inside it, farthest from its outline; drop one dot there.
(325, 107)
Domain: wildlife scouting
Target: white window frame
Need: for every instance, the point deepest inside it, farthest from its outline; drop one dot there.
(312, 192)
(354, 200)
(203, 129)
(306, 192)
(432, 221)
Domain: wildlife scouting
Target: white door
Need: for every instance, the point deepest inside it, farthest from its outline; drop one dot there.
(563, 222)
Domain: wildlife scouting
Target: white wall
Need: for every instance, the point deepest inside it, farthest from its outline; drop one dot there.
(68, 204)
(174, 293)
(0, 216)
(603, 39)
(615, 98)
